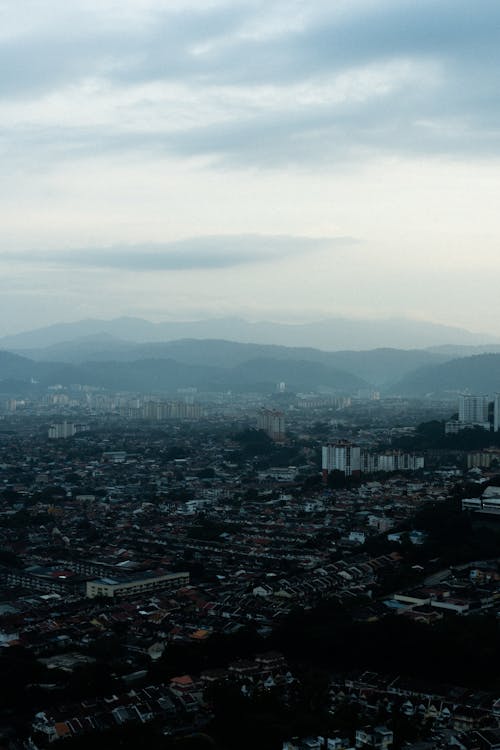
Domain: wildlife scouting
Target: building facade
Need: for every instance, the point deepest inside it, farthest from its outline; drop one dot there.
(473, 410)
(65, 430)
(272, 422)
(343, 456)
(350, 459)
(145, 584)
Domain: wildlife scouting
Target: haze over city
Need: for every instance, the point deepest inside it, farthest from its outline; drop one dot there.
(282, 161)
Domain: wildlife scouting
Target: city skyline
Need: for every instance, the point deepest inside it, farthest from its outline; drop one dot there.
(185, 160)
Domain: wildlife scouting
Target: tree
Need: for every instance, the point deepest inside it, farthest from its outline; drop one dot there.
(337, 480)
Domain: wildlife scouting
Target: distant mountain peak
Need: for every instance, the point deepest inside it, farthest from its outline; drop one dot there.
(331, 334)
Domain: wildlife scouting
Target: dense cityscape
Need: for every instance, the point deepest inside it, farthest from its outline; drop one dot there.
(318, 567)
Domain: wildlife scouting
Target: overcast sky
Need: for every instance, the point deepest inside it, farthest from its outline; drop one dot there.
(277, 160)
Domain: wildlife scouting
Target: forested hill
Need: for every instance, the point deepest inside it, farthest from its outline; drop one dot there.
(219, 364)
(19, 374)
(478, 374)
(375, 366)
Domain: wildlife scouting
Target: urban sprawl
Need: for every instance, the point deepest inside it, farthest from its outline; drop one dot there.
(283, 570)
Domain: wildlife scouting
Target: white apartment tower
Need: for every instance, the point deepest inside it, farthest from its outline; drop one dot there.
(341, 456)
(65, 430)
(473, 410)
(272, 422)
(496, 412)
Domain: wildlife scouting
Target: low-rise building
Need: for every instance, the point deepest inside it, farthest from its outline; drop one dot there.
(130, 586)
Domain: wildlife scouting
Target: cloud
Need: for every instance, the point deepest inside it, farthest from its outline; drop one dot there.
(78, 46)
(256, 84)
(246, 43)
(200, 253)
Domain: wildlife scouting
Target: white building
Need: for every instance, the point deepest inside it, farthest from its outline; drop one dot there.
(380, 738)
(496, 412)
(341, 456)
(272, 422)
(65, 430)
(390, 461)
(473, 410)
(145, 584)
(488, 503)
(279, 473)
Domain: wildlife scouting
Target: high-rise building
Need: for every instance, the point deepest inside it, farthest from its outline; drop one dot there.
(473, 410)
(390, 461)
(65, 430)
(272, 422)
(343, 456)
(496, 412)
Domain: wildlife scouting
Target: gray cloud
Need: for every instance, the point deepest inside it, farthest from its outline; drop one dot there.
(200, 253)
(455, 113)
(42, 62)
(452, 30)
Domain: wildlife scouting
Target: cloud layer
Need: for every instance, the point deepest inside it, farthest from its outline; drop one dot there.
(198, 253)
(253, 83)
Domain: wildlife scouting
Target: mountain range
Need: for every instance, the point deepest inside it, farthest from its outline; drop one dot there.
(376, 366)
(105, 360)
(331, 334)
(479, 374)
(164, 375)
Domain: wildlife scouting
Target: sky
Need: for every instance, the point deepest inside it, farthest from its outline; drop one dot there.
(289, 161)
